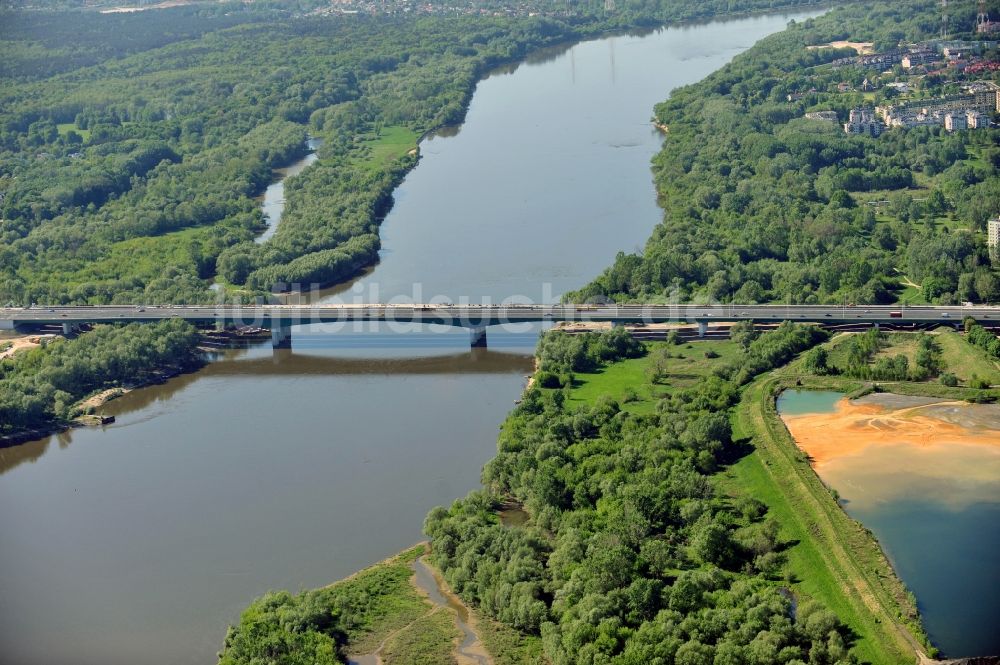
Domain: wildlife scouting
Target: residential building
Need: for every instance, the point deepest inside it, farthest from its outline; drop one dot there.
(917, 58)
(880, 61)
(863, 121)
(993, 238)
(976, 120)
(954, 122)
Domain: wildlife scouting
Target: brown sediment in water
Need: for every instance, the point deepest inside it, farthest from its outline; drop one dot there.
(856, 428)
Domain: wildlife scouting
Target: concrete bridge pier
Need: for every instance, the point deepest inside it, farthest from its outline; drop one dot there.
(70, 328)
(7, 325)
(477, 337)
(702, 328)
(281, 336)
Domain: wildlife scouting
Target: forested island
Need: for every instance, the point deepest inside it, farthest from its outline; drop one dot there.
(118, 144)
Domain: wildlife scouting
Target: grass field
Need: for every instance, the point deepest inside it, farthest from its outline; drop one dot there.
(427, 641)
(963, 359)
(900, 344)
(412, 631)
(387, 145)
(627, 382)
(67, 127)
(396, 601)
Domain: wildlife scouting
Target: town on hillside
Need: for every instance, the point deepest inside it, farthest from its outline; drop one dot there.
(945, 82)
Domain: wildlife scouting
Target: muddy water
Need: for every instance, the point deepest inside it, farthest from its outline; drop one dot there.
(513, 517)
(924, 475)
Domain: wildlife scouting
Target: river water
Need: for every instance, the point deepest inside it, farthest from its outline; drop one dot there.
(142, 541)
(273, 200)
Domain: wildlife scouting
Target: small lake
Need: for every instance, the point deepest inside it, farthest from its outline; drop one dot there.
(801, 402)
(925, 478)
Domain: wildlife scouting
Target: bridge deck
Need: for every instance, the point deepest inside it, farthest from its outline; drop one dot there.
(474, 316)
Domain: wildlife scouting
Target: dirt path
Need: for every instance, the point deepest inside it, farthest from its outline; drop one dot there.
(375, 657)
(22, 343)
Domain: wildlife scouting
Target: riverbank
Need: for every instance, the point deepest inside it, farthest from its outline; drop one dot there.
(403, 613)
(83, 411)
(106, 363)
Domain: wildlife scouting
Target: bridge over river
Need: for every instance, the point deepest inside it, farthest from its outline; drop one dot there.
(477, 318)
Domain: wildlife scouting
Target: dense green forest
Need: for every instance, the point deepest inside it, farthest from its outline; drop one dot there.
(764, 205)
(132, 145)
(41, 386)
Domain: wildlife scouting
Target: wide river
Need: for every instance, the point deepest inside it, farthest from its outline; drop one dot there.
(140, 542)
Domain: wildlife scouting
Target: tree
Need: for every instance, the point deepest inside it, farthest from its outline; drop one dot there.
(816, 361)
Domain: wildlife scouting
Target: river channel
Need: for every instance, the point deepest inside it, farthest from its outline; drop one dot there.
(142, 541)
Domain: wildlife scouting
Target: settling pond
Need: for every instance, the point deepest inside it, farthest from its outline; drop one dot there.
(924, 476)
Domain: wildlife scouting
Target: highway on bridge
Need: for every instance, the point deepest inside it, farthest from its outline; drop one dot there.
(474, 316)
(280, 318)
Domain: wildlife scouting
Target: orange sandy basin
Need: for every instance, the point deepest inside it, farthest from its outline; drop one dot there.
(855, 428)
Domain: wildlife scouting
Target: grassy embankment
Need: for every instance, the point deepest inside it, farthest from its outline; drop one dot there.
(397, 616)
